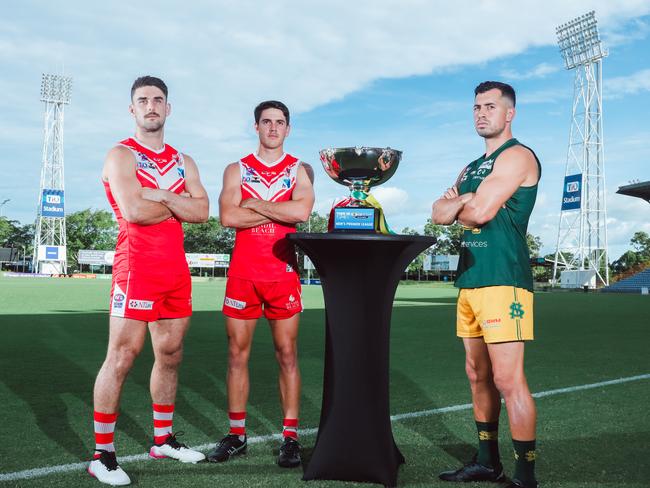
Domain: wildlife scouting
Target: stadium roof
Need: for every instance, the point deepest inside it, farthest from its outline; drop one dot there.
(639, 190)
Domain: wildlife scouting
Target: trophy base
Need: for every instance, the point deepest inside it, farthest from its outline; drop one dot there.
(355, 219)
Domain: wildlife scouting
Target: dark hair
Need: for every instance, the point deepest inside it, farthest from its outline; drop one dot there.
(270, 104)
(149, 81)
(505, 89)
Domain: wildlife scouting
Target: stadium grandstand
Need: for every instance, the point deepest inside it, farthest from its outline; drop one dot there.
(640, 282)
(638, 189)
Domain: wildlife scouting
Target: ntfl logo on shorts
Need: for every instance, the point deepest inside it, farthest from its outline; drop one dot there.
(231, 302)
(140, 304)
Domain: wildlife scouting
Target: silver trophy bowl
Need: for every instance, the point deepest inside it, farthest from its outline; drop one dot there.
(360, 168)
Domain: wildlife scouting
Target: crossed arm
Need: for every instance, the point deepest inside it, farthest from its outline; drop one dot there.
(191, 205)
(516, 167)
(242, 214)
(146, 206)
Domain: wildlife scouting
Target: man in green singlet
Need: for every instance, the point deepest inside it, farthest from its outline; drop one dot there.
(493, 198)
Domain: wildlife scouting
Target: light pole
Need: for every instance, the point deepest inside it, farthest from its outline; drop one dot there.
(582, 229)
(3, 203)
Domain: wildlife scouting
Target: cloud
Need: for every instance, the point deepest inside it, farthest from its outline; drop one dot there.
(542, 70)
(392, 199)
(619, 33)
(437, 108)
(221, 58)
(546, 95)
(627, 85)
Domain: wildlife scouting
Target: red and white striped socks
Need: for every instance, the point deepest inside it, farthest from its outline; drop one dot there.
(162, 422)
(104, 432)
(290, 428)
(237, 424)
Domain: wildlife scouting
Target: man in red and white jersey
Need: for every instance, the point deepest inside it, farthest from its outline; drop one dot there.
(264, 196)
(152, 188)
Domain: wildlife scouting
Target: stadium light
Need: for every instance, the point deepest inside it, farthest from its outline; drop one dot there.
(579, 41)
(582, 229)
(56, 88)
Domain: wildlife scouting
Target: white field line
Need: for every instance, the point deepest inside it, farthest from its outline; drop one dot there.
(64, 468)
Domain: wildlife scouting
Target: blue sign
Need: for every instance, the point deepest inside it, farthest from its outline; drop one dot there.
(51, 252)
(52, 203)
(572, 194)
(347, 218)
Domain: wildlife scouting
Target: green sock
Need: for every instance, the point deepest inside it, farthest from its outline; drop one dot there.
(525, 455)
(488, 443)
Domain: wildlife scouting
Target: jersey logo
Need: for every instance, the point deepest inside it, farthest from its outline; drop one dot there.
(273, 183)
(236, 304)
(516, 310)
(485, 167)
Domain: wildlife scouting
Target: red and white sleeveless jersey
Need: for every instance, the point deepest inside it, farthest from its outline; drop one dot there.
(158, 247)
(262, 253)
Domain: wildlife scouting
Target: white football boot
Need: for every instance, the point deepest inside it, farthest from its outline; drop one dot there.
(106, 470)
(171, 448)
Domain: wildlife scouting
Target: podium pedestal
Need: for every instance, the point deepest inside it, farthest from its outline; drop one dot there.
(359, 275)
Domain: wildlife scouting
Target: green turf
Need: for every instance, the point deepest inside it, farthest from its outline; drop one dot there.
(54, 338)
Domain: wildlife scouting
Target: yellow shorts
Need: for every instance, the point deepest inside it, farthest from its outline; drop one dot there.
(496, 313)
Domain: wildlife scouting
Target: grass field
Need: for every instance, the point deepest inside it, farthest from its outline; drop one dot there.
(54, 335)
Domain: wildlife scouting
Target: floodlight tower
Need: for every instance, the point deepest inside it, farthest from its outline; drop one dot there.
(49, 238)
(582, 230)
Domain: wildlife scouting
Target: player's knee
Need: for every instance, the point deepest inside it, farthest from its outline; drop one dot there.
(287, 356)
(506, 382)
(171, 358)
(121, 361)
(476, 373)
(238, 355)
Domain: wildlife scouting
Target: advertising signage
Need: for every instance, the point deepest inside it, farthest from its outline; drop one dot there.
(52, 203)
(572, 194)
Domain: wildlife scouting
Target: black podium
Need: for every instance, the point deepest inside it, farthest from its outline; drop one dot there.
(359, 274)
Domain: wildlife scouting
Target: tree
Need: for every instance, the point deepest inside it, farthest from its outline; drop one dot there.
(534, 245)
(89, 229)
(316, 224)
(636, 260)
(209, 237)
(417, 264)
(641, 243)
(12, 234)
(449, 237)
(627, 261)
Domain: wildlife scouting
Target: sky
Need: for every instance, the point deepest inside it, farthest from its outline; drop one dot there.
(397, 74)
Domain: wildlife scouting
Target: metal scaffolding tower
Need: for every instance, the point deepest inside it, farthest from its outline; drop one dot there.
(49, 238)
(581, 251)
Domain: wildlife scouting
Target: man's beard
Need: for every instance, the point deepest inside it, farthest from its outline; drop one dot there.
(153, 125)
(489, 132)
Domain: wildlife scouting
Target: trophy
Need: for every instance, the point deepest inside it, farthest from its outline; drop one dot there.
(359, 168)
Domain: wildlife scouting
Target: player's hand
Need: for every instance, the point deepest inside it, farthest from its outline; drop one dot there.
(248, 203)
(451, 193)
(152, 194)
(466, 197)
(185, 194)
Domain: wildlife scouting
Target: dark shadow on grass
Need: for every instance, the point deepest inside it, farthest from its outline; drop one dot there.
(203, 372)
(601, 458)
(437, 432)
(40, 367)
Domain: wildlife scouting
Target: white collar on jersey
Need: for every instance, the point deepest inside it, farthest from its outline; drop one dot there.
(268, 165)
(157, 151)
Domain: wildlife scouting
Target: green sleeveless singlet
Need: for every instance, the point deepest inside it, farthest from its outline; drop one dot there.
(497, 253)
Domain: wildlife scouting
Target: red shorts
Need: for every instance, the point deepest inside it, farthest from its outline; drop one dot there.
(143, 296)
(244, 299)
